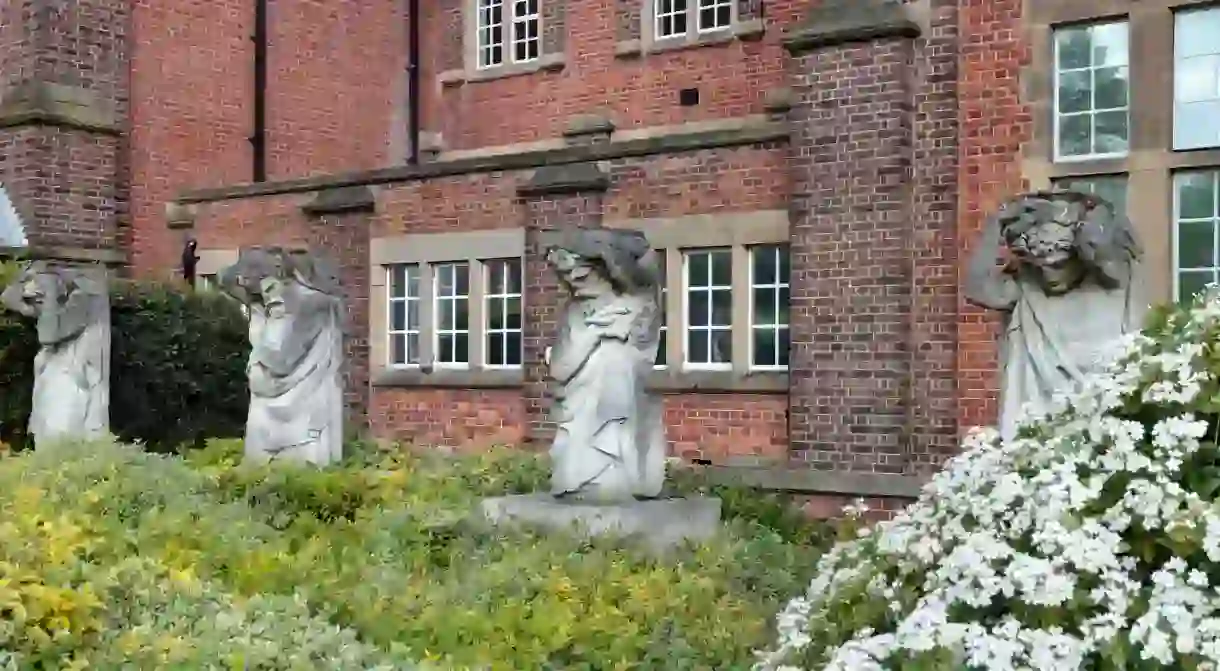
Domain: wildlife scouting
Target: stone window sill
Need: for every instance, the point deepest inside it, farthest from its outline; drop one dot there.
(741, 31)
(661, 381)
(668, 381)
(447, 378)
(546, 63)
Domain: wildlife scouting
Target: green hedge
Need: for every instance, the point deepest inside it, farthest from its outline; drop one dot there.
(177, 366)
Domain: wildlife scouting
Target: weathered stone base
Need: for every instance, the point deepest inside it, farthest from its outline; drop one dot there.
(660, 523)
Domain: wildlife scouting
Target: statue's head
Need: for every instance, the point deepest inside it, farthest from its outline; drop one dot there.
(1063, 237)
(596, 262)
(272, 276)
(64, 299)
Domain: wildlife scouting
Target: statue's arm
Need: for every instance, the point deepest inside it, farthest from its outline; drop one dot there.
(571, 352)
(987, 285)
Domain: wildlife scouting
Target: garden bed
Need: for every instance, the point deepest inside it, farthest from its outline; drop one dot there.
(124, 559)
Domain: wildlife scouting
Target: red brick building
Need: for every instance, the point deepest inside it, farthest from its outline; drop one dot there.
(813, 170)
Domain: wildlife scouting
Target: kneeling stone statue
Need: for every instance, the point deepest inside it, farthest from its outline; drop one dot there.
(1067, 293)
(72, 368)
(296, 357)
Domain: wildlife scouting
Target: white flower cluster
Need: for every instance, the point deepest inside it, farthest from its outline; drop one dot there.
(1091, 536)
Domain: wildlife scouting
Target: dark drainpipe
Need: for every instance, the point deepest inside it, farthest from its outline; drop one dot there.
(413, 88)
(258, 140)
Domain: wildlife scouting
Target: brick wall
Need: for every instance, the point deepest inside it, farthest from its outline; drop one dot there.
(995, 124)
(69, 182)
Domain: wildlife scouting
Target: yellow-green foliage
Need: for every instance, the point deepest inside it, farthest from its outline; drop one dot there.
(121, 559)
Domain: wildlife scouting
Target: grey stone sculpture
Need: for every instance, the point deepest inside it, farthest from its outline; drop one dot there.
(610, 436)
(72, 368)
(1067, 291)
(296, 336)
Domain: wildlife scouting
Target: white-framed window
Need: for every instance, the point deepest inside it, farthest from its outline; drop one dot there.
(451, 317)
(502, 331)
(1092, 91)
(507, 31)
(1113, 188)
(770, 273)
(206, 282)
(662, 360)
(708, 313)
(403, 308)
(1196, 77)
(1196, 209)
(676, 18)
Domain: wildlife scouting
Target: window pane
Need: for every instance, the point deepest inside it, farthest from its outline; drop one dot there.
(1196, 242)
(461, 347)
(722, 268)
(697, 346)
(514, 276)
(722, 307)
(1196, 31)
(495, 349)
(1075, 135)
(697, 269)
(462, 314)
(413, 348)
(413, 319)
(398, 282)
(784, 345)
(1196, 194)
(462, 279)
(1075, 92)
(513, 353)
(398, 345)
(660, 360)
(764, 347)
(722, 346)
(513, 314)
(764, 265)
(1072, 48)
(444, 348)
(1191, 283)
(1111, 132)
(495, 314)
(398, 315)
(445, 317)
(699, 309)
(1109, 42)
(1111, 85)
(764, 306)
(784, 304)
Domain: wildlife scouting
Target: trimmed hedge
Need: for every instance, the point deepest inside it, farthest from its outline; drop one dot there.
(177, 366)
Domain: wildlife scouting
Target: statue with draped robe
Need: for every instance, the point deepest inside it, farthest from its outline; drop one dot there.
(610, 436)
(1067, 291)
(71, 397)
(295, 370)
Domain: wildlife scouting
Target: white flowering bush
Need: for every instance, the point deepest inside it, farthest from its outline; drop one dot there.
(1091, 541)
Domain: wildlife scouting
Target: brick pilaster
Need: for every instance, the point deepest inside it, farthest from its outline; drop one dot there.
(556, 197)
(63, 104)
(852, 270)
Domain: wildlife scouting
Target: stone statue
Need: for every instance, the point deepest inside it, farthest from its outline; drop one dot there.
(190, 261)
(296, 337)
(1067, 292)
(72, 368)
(610, 438)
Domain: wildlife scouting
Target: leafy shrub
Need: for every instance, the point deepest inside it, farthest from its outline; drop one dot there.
(177, 366)
(1091, 541)
(375, 558)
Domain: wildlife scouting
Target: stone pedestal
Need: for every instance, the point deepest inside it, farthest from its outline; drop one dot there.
(660, 523)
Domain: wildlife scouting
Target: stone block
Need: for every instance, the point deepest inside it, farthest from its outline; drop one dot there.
(659, 523)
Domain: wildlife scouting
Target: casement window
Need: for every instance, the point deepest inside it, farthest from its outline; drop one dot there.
(1091, 91)
(503, 294)
(770, 271)
(1196, 76)
(403, 294)
(709, 308)
(451, 323)
(1113, 188)
(680, 18)
(507, 31)
(1196, 209)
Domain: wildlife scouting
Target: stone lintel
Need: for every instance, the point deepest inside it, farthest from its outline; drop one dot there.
(834, 22)
(807, 481)
(551, 180)
(35, 102)
(683, 141)
(341, 200)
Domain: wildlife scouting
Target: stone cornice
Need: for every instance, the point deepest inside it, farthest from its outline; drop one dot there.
(755, 133)
(41, 103)
(835, 22)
